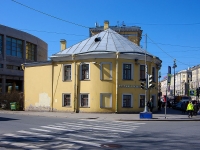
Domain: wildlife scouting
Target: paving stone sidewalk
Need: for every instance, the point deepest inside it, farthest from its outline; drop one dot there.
(171, 115)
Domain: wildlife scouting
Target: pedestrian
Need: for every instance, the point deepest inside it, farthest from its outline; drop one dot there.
(190, 109)
(150, 105)
(159, 104)
(183, 107)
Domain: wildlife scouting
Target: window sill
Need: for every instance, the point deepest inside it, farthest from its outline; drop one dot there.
(127, 107)
(85, 80)
(67, 80)
(127, 79)
(106, 107)
(84, 107)
(67, 106)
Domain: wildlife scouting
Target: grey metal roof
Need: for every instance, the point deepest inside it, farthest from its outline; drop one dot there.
(110, 41)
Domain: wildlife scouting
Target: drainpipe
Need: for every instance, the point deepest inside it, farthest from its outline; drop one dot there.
(75, 89)
(117, 56)
(52, 86)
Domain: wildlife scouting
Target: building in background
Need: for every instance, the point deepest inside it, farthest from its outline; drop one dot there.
(132, 33)
(100, 74)
(17, 47)
(182, 81)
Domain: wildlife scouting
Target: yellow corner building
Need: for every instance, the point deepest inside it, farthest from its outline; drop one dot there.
(100, 74)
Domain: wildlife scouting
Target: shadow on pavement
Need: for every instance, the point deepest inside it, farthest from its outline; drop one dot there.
(169, 111)
(6, 119)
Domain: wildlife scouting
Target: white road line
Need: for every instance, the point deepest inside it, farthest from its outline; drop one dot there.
(33, 133)
(49, 127)
(110, 124)
(81, 142)
(19, 144)
(67, 146)
(40, 130)
(24, 137)
(87, 137)
(100, 127)
(96, 128)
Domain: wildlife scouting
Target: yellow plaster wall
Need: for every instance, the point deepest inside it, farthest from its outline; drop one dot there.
(37, 85)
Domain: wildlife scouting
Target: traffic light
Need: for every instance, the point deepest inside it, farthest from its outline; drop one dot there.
(142, 85)
(150, 80)
(197, 91)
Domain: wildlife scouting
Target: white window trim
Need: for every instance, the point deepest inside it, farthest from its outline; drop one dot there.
(101, 70)
(63, 99)
(101, 95)
(81, 71)
(131, 100)
(131, 70)
(63, 78)
(139, 100)
(88, 100)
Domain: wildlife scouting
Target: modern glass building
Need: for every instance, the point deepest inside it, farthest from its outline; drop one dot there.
(17, 47)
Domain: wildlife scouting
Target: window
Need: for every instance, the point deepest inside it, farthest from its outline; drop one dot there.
(30, 51)
(127, 101)
(1, 65)
(66, 100)
(106, 100)
(142, 72)
(1, 44)
(106, 71)
(142, 101)
(14, 47)
(9, 66)
(67, 72)
(84, 71)
(127, 71)
(84, 100)
(153, 74)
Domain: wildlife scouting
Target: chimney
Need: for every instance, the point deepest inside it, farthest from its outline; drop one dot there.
(63, 44)
(106, 24)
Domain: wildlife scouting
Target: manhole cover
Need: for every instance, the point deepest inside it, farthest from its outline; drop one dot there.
(111, 145)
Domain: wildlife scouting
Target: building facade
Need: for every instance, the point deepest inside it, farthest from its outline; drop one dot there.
(100, 74)
(182, 82)
(16, 48)
(132, 33)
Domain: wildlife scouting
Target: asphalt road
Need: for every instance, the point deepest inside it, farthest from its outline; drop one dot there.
(34, 132)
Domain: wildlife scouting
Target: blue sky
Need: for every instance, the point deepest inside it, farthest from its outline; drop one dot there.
(172, 26)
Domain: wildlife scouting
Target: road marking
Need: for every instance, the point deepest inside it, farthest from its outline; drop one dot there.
(87, 137)
(50, 127)
(100, 127)
(24, 137)
(81, 142)
(40, 130)
(96, 128)
(19, 144)
(70, 146)
(33, 133)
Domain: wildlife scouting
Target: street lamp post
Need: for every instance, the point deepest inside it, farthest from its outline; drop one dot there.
(174, 66)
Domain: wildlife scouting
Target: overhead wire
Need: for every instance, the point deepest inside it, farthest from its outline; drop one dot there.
(49, 15)
(166, 52)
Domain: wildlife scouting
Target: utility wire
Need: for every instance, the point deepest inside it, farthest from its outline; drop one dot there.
(166, 52)
(50, 15)
(167, 24)
(54, 32)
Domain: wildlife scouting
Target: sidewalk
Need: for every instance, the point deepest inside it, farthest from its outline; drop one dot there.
(171, 115)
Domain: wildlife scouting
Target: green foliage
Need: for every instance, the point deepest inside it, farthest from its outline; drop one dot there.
(7, 98)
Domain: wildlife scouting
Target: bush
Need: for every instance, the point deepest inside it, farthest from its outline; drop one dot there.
(7, 98)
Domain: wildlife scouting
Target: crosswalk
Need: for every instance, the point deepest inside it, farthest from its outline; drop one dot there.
(70, 134)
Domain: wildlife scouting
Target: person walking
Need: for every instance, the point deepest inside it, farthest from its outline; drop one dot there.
(196, 108)
(150, 105)
(190, 109)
